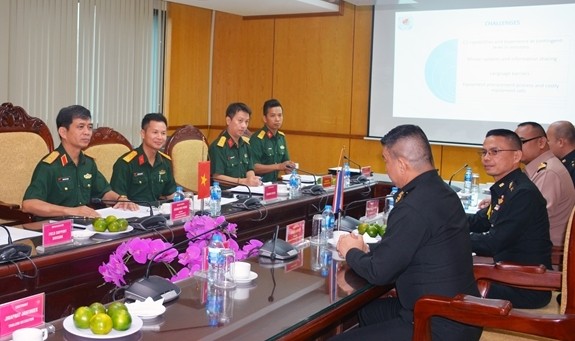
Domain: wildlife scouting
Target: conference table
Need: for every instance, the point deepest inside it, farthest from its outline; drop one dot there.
(308, 297)
(68, 275)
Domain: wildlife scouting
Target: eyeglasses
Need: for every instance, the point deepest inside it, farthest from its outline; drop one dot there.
(531, 139)
(493, 152)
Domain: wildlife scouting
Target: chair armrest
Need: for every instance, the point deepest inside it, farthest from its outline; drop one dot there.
(534, 277)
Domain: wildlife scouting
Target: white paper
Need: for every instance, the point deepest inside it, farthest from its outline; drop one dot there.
(143, 211)
(304, 178)
(17, 234)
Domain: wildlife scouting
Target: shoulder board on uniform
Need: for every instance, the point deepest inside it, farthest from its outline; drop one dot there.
(542, 166)
(165, 155)
(261, 135)
(246, 139)
(51, 157)
(130, 156)
(222, 141)
(281, 133)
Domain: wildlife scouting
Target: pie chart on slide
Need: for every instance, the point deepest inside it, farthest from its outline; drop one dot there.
(441, 71)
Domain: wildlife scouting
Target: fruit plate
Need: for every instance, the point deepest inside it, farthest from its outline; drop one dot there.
(367, 239)
(108, 233)
(68, 324)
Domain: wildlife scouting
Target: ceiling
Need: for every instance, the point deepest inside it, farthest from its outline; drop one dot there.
(265, 7)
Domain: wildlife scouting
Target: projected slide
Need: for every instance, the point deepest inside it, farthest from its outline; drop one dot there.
(502, 64)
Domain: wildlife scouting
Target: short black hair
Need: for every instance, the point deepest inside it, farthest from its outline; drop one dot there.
(67, 114)
(421, 149)
(509, 135)
(538, 128)
(271, 103)
(153, 117)
(233, 109)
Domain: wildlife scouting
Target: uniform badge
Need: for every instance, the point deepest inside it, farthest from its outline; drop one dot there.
(64, 160)
(230, 143)
(88, 176)
(162, 172)
(541, 166)
(282, 147)
(270, 135)
(246, 155)
(222, 141)
(141, 160)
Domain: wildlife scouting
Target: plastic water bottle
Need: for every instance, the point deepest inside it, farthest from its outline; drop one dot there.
(325, 261)
(391, 199)
(294, 184)
(215, 199)
(346, 174)
(179, 195)
(327, 224)
(474, 198)
(215, 259)
(214, 305)
(467, 179)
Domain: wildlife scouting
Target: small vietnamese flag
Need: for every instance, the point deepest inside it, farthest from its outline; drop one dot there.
(203, 179)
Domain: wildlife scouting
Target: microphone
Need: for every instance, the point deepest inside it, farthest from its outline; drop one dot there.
(13, 252)
(158, 287)
(143, 223)
(277, 248)
(247, 202)
(314, 189)
(455, 188)
(360, 178)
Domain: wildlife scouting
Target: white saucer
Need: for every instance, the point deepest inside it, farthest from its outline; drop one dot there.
(253, 276)
(148, 309)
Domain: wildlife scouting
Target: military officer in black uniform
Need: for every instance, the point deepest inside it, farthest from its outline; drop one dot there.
(561, 137)
(515, 226)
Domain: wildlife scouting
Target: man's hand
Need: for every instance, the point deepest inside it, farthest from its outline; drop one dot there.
(83, 211)
(253, 181)
(286, 166)
(350, 241)
(127, 205)
(484, 203)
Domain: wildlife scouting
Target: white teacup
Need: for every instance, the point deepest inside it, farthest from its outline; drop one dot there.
(241, 294)
(30, 334)
(240, 270)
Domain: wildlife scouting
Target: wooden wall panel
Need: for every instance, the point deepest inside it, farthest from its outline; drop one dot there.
(361, 70)
(313, 71)
(187, 65)
(242, 68)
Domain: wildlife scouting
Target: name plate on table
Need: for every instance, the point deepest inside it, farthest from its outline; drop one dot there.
(295, 232)
(371, 208)
(179, 210)
(366, 171)
(326, 181)
(57, 233)
(22, 313)
(270, 192)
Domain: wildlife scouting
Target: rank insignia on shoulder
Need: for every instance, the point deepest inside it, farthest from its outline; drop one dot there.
(542, 165)
(51, 157)
(222, 141)
(261, 135)
(281, 133)
(246, 139)
(165, 155)
(130, 156)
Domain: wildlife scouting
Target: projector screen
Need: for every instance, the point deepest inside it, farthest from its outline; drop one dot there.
(459, 72)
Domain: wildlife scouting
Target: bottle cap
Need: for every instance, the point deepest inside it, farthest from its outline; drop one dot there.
(217, 238)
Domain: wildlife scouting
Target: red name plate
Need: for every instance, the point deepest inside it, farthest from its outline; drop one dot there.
(326, 181)
(366, 171)
(179, 210)
(295, 232)
(57, 233)
(23, 313)
(270, 192)
(371, 208)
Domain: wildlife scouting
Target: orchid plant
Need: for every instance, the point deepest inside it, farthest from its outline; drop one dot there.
(143, 250)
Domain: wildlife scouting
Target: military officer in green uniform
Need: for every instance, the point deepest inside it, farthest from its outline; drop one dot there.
(230, 155)
(65, 180)
(561, 139)
(145, 173)
(269, 149)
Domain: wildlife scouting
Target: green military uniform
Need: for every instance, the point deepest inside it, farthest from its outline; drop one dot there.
(59, 181)
(269, 149)
(135, 178)
(229, 158)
